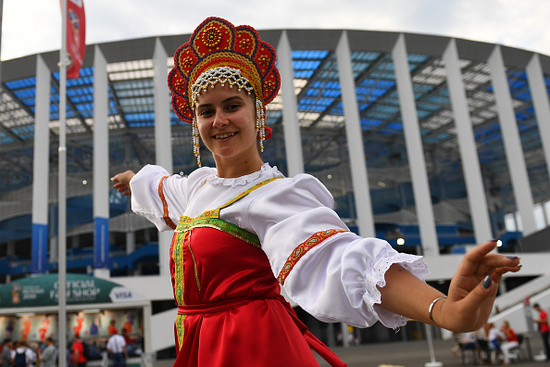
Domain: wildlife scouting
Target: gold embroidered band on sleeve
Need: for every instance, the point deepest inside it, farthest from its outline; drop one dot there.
(303, 248)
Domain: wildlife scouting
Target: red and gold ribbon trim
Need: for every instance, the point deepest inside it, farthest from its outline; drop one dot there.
(303, 248)
(165, 214)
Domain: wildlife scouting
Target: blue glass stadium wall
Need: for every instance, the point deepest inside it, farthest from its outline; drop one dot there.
(321, 118)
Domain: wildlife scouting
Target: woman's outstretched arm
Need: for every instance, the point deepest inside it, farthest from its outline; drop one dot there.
(471, 293)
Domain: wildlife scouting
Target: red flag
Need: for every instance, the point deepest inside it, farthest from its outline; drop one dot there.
(76, 36)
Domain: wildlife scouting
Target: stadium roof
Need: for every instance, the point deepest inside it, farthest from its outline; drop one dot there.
(317, 86)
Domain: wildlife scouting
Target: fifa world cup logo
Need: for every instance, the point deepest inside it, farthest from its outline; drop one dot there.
(15, 293)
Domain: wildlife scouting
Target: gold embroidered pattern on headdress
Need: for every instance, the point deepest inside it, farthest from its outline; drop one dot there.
(216, 43)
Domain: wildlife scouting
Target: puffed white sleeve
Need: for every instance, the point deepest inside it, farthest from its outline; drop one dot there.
(160, 196)
(329, 271)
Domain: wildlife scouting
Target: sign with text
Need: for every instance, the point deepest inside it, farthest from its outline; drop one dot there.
(81, 289)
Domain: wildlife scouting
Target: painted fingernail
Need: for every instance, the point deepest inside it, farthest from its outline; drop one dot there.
(486, 282)
(511, 257)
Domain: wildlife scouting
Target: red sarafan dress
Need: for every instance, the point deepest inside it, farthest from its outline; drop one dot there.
(227, 285)
(230, 311)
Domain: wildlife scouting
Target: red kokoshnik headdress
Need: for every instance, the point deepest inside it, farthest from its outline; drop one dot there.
(219, 52)
(218, 43)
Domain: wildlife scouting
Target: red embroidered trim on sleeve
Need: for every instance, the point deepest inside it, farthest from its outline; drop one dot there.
(165, 214)
(303, 248)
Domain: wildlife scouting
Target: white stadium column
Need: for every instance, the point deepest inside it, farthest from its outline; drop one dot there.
(293, 137)
(512, 143)
(354, 135)
(415, 152)
(467, 146)
(101, 165)
(163, 138)
(535, 77)
(41, 168)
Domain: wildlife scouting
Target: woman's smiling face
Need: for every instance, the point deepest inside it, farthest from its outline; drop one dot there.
(226, 119)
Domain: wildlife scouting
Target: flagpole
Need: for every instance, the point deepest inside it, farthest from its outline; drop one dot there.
(62, 193)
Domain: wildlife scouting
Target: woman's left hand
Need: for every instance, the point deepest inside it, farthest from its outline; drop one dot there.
(474, 286)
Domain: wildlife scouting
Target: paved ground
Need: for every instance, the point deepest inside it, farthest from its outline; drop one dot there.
(415, 354)
(407, 354)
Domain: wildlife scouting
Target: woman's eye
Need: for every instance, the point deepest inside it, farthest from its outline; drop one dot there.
(233, 106)
(205, 113)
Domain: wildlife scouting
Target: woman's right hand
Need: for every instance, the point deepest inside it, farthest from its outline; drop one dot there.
(122, 182)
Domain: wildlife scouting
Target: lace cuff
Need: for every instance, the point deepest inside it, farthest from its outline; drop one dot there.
(375, 278)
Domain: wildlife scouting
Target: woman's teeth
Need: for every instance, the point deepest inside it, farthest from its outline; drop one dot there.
(223, 136)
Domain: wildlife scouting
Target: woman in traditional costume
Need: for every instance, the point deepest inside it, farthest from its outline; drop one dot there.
(242, 230)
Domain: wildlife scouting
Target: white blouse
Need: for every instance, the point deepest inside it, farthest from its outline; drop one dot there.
(336, 280)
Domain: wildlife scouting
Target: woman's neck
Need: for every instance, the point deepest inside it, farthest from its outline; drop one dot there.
(238, 168)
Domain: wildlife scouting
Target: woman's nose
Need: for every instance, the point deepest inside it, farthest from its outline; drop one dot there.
(220, 119)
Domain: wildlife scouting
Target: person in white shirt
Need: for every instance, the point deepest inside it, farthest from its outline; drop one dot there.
(116, 346)
(494, 336)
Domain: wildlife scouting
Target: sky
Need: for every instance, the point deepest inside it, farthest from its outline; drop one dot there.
(34, 26)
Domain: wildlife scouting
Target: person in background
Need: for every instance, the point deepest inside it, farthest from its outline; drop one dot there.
(69, 353)
(116, 345)
(112, 328)
(469, 339)
(35, 348)
(129, 341)
(465, 342)
(544, 329)
(23, 355)
(242, 229)
(77, 356)
(48, 357)
(6, 359)
(494, 337)
(511, 341)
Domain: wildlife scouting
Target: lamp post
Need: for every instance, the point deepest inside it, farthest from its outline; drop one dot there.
(433, 362)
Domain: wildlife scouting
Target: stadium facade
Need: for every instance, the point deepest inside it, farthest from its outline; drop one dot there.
(430, 142)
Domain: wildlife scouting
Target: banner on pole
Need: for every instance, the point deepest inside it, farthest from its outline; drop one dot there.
(76, 36)
(101, 243)
(39, 248)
